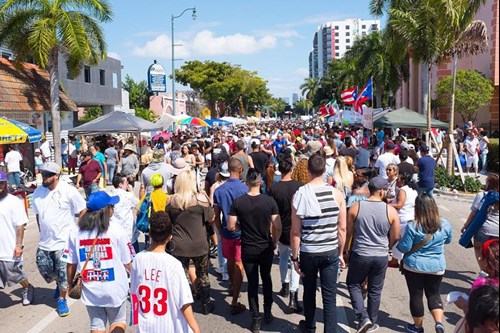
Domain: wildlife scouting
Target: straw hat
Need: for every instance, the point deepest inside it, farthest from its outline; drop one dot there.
(130, 147)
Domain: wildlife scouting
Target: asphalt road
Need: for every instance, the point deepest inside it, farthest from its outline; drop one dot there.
(394, 311)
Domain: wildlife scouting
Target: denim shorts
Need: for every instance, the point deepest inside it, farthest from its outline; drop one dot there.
(100, 316)
(11, 273)
(51, 267)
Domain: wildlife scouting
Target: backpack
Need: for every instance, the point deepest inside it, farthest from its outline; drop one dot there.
(143, 214)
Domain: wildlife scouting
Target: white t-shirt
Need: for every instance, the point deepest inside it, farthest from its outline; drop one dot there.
(56, 212)
(64, 148)
(472, 145)
(45, 148)
(159, 289)
(123, 214)
(407, 212)
(13, 160)
(12, 215)
(105, 282)
(383, 161)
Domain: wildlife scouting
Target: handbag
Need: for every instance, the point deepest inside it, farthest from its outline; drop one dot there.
(415, 248)
(77, 283)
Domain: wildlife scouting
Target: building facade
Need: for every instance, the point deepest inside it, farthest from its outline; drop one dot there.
(410, 94)
(333, 39)
(162, 104)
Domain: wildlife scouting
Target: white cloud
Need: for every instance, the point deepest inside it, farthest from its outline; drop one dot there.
(288, 43)
(279, 33)
(160, 47)
(114, 55)
(207, 43)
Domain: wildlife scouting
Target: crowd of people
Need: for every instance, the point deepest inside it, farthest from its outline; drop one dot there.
(323, 198)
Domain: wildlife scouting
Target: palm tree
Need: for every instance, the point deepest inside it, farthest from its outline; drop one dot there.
(43, 29)
(309, 89)
(146, 114)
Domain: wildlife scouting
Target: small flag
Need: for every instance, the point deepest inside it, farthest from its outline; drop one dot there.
(349, 95)
(366, 94)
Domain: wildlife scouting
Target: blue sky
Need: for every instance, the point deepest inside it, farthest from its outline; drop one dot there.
(273, 38)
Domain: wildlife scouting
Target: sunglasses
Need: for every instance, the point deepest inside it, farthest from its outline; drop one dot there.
(47, 174)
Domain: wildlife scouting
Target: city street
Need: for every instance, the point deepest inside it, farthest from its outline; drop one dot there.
(394, 311)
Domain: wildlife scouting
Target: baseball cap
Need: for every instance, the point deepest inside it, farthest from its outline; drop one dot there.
(86, 153)
(156, 180)
(38, 150)
(224, 170)
(378, 183)
(101, 199)
(390, 146)
(403, 154)
(158, 155)
(51, 167)
(3, 176)
(425, 149)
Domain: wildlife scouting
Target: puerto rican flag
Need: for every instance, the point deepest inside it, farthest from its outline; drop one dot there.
(366, 95)
(349, 95)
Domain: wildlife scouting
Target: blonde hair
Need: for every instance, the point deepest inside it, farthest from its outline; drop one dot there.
(341, 174)
(184, 189)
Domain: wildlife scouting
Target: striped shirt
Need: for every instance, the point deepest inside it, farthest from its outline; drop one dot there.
(319, 233)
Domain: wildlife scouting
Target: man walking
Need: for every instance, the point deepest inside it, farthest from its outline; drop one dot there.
(425, 167)
(13, 219)
(374, 228)
(224, 196)
(55, 204)
(90, 173)
(283, 193)
(318, 232)
(13, 160)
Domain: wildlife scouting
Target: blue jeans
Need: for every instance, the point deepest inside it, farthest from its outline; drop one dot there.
(14, 178)
(220, 257)
(427, 190)
(361, 268)
(111, 172)
(64, 158)
(285, 264)
(91, 189)
(327, 266)
(484, 160)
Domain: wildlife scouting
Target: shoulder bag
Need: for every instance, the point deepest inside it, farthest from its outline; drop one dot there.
(415, 248)
(76, 285)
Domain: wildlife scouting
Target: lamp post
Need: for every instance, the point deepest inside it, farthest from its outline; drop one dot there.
(173, 55)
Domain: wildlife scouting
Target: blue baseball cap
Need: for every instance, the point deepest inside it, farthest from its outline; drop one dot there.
(3, 176)
(101, 199)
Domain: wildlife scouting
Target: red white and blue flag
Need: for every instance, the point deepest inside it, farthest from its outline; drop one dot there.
(366, 94)
(349, 95)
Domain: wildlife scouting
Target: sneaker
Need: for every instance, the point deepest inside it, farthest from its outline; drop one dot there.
(364, 326)
(374, 328)
(28, 295)
(56, 293)
(237, 308)
(225, 277)
(439, 328)
(62, 308)
(414, 329)
(304, 328)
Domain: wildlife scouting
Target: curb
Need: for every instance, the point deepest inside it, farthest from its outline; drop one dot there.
(458, 196)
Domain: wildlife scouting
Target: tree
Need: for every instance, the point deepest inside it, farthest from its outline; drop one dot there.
(146, 114)
(473, 91)
(138, 92)
(91, 113)
(43, 29)
(309, 89)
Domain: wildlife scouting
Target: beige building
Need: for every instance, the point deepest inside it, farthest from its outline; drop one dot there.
(410, 94)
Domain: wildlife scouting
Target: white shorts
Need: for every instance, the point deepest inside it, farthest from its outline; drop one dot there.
(100, 316)
(11, 273)
(472, 160)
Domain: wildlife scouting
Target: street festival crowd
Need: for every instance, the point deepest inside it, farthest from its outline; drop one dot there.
(321, 197)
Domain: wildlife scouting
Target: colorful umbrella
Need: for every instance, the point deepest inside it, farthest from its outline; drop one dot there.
(218, 122)
(164, 135)
(13, 131)
(192, 121)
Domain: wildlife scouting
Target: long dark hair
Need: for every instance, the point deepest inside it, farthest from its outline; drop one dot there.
(427, 214)
(95, 220)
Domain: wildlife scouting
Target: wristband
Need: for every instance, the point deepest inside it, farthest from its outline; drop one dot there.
(294, 259)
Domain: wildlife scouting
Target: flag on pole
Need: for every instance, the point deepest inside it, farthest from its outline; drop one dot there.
(323, 111)
(349, 95)
(331, 108)
(366, 94)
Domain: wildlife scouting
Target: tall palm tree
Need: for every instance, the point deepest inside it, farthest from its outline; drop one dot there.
(309, 89)
(43, 29)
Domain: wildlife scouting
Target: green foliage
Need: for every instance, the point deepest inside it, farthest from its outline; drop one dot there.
(138, 93)
(91, 113)
(233, 89)
(453, 182)
(493, 158)
(473, 91)
(146, 114)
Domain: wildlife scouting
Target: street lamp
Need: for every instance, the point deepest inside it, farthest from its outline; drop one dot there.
(173, 56)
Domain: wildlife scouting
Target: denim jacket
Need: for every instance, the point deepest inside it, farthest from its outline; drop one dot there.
(430, 258)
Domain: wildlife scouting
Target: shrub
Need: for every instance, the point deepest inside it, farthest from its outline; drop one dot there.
(493, 158)
(453, 182)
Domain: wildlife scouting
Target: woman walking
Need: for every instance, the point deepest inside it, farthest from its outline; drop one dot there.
(190, 213)
(100, 251)
(424, 261)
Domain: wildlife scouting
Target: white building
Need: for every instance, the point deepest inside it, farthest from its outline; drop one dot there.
(333, 39)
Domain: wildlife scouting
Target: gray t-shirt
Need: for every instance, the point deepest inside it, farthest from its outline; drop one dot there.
(111, 155)
(372, 225)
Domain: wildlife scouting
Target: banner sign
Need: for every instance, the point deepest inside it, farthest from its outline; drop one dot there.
(157, 78)
(367, 117)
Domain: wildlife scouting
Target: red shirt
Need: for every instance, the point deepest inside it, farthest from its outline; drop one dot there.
(89, 171)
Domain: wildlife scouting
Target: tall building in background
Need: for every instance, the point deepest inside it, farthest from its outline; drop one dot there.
(286, 99)
(333, 39)
(295, 98)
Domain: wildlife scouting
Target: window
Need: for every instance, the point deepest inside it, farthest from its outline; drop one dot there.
(336, 41)
(336, 27)
(337, 54)
(347, 33)
(6, 55)
(347, 47)
(115, 80)
(86, 74)
(347, 27)
(102, 77)
(336, 34)
(69, 76)
(363, 26)
(336, 47)
(347, 40)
